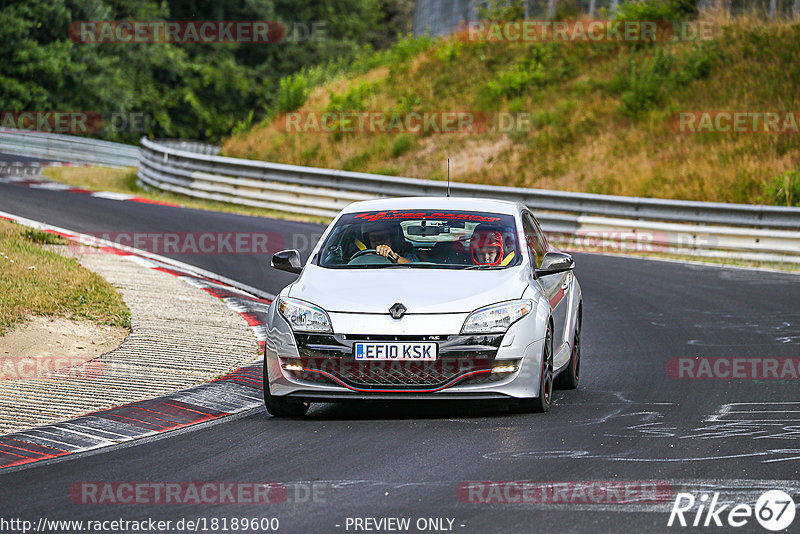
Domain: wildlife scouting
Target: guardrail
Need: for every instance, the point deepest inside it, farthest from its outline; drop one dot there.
(767, 233)
(578, 220)
(69, 148)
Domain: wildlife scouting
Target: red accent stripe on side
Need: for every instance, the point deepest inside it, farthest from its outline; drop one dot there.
(557, 298)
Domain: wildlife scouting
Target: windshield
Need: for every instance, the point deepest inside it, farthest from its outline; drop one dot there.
(421, 239)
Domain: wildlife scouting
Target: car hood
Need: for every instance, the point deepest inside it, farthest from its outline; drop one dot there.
(420, 290)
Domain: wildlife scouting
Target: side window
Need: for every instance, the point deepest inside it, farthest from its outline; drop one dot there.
(534, 238)
(542, 237)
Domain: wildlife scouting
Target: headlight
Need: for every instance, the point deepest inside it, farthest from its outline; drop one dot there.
(304, 316)
(496, 319)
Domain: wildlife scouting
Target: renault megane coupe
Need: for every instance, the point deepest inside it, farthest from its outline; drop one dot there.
(425, 298)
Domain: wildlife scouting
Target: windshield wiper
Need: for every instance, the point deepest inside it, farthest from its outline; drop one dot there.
(415, 265)
(482, 267)
(412, 265)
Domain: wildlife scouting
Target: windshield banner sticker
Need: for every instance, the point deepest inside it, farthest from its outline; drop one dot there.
(395, 215)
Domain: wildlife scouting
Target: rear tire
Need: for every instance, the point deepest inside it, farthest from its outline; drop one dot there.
(568, 379)
(541, 403)
(282, 406)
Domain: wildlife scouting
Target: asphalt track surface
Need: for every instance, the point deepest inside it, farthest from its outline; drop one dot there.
(628, 421)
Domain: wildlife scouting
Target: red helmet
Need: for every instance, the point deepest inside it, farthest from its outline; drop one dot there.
(486, 239)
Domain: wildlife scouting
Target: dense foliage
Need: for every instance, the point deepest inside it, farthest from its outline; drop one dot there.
(184, 90)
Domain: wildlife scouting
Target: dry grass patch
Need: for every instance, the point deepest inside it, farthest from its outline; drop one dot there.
(118, 180)
(37, 281)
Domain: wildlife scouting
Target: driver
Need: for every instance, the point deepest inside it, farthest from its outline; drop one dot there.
(382, 237)
(486, 247)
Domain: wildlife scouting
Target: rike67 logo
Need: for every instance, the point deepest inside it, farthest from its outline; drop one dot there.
(774, 510)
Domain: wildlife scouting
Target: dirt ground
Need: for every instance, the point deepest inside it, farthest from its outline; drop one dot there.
(45, 344)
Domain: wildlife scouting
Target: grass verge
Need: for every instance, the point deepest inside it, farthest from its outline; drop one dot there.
(37, 281)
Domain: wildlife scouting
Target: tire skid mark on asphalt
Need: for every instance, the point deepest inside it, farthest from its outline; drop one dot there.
(756, 420)
(235, 392)
(731, 492)
(771, 420)
(768, 455)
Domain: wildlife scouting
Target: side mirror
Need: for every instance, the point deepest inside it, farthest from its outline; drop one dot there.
(287, 260)
(555, 262)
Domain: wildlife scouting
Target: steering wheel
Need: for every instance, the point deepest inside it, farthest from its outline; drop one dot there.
(370, 251)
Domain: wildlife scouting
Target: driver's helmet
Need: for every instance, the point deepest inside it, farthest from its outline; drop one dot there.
(486, 239)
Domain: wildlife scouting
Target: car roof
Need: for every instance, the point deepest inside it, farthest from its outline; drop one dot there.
(435, 203)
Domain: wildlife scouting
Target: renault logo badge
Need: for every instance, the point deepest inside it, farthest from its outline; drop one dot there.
(397, 310)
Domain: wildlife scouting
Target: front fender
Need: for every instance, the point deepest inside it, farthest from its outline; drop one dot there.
(576, 298)
(280, 343)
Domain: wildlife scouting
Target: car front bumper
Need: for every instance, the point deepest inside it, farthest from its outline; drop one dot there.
(322, 367)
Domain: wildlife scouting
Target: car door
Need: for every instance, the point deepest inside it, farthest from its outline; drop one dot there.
(554, 286)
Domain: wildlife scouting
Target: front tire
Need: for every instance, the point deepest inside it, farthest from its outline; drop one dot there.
(282, 406)
(541, 403)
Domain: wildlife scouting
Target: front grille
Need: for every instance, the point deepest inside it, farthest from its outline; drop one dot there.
(329, 359)
(375, 374)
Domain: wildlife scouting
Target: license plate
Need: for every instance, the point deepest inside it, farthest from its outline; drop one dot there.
(396, 351)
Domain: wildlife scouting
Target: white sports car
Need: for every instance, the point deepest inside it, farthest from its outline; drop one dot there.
(425, 298)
